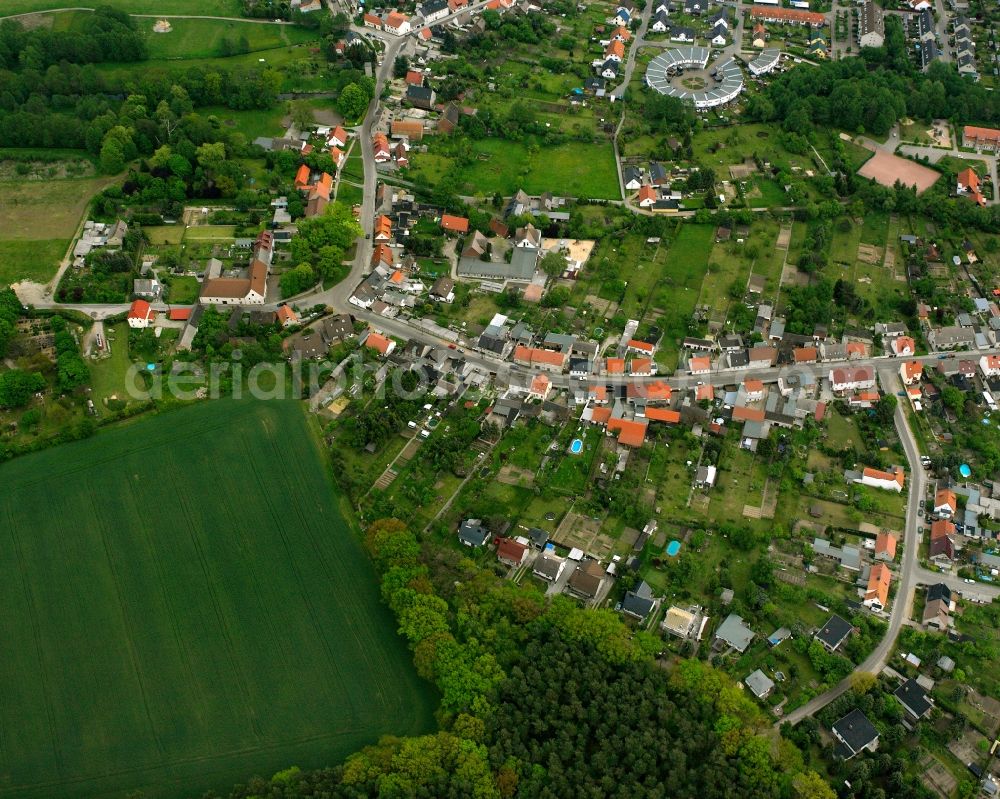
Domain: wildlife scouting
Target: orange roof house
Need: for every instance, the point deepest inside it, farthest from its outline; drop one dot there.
(337, 155)
(877, 594)
(641, 366)
(885, 546)
(968, 183)
(179, 314)
(663, 415)
(338, 136)
(600, 415)
(372, 21)
(383, 227)
(945, 502)
(630, 432)
(706, 391)
(454, 224)
(621, 34)
(744, 414)
(614, 366)
(536, 356)
(414, 77)
(904, 345)
(287, 316)
(911, 371)
(302, 177)
(805, 354)
(140, 314)
(647, 195)
(700, 364)
(658, 391)
(382, 254)
(379, 343)
(641, 346)
(877, 478)
(615, 49)
(856, 349)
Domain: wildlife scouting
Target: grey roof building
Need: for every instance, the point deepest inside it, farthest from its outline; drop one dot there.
(640, 602)
(735, 633)
(760, 684)
(472, 533)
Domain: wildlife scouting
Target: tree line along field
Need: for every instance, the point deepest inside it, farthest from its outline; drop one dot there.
(184, 607)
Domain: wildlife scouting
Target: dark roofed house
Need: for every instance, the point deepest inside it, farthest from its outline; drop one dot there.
(539, 537)
(939, 591)
(855, 733)
(587, 579)
(548, 567)
(640, 602)
(472, 533)
(420, 97)
(834, 632)
(913, 697)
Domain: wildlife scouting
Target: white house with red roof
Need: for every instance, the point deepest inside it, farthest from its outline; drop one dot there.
(337, 137)
(397, 24)
(888, 481)
(140, 315)
(852, 378)
(903, 347)
(910, 372)
(989, 365)
(511, 552)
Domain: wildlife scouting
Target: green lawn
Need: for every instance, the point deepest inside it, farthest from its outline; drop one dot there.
(574, 169)
(266, 122)
(203, 38)
(183, 290)
(24, 259)
(222, 8)
(184, 607)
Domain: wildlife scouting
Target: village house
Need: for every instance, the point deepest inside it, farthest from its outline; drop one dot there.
(876, 478)
(876, 596)
(140, 315)
(855, 734)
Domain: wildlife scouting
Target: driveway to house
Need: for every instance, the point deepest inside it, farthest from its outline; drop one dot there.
(905, 578)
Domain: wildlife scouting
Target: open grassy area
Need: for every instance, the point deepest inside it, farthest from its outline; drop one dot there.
(203, 38)
(27, 259)
(573, 169)
(222, 8)
(209, 614)
(46, 210)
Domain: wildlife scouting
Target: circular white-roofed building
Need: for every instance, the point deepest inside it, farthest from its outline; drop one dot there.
(727, 74)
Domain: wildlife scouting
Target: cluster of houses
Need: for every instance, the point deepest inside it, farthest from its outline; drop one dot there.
(98, 235)
(610, 64)
(716, 24)
(651, 187)
(395, 22)
(964, 48)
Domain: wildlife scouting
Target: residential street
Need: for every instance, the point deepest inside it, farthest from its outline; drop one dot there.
(905, 578)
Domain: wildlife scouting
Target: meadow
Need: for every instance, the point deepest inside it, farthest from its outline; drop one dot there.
(574, 169)
(186, 606)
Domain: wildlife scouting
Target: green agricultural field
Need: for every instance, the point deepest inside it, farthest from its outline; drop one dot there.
(203, 38)
(185, 606)
(222, 8)
(570, 170)
(25, 259)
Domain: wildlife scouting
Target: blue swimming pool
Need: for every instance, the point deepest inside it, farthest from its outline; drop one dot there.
(673, 548)
(965, 471)
(576, 446)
